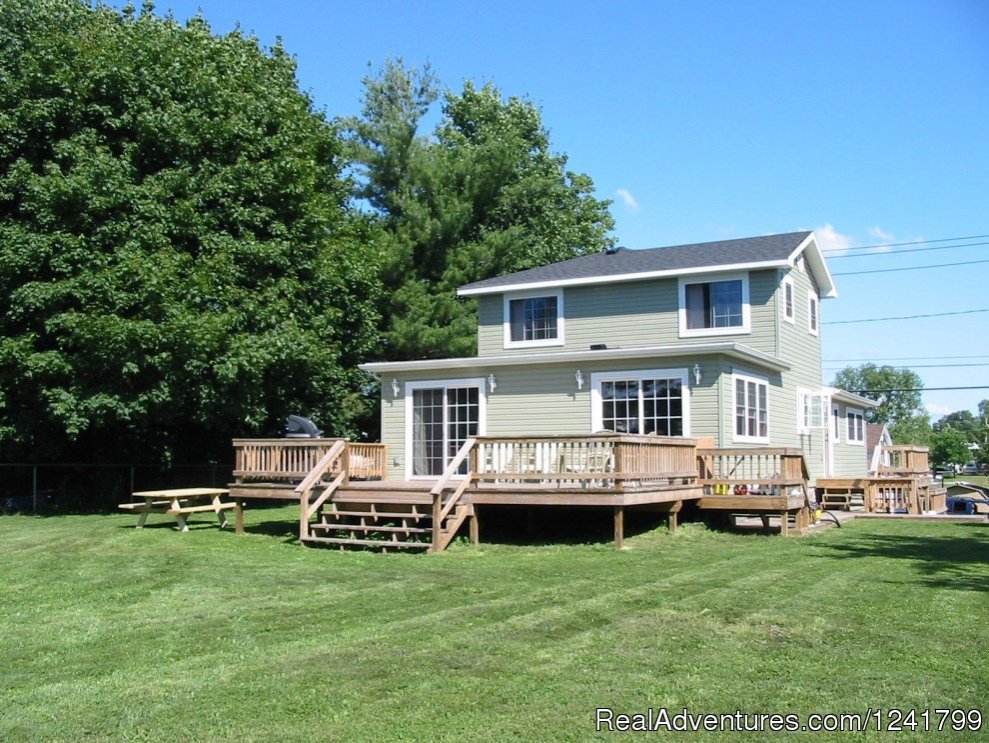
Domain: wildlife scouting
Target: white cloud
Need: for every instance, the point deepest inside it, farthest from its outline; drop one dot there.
(881, 236)
(626, 196)
(829, 239)
(939, 410)
(878, 233)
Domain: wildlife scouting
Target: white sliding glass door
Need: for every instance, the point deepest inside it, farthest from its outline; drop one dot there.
(440, 417)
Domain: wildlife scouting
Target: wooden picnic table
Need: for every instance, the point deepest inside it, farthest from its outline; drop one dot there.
(181, 502)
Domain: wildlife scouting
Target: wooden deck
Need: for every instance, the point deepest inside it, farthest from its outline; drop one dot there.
(902, 485)
(345, 500)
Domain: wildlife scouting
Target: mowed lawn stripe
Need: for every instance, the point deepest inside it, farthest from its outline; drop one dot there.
(154, 635)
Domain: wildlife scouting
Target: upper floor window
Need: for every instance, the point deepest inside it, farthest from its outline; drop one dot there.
(714, 307)
(534, 320)
(856, 426)
(788, 301)
(813, 314)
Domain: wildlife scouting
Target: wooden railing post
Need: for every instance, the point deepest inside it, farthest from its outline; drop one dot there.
(437, 521)
(441, 509)
(345, 463)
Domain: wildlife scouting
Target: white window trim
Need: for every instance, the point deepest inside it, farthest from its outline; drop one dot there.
(507, 300)
(813, 312)
(683, 283)
(482, 410)
(792, 317)
(639, 374)
(802, 428)
(744, 438)
(849, 413)
(823, 403)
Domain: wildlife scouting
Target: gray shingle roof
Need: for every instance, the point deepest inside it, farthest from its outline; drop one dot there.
(680, 257)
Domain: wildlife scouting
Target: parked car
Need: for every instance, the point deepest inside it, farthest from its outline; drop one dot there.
(944, 470)
(970, 469)
(984, 469)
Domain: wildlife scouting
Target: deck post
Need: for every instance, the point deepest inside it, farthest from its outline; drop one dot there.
(784, 523)
(239, 517)
(674, 510)
(437, 510)
(619, 527)
(303, 517)
(475, 528)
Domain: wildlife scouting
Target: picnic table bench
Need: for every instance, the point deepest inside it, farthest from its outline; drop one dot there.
(181, 502)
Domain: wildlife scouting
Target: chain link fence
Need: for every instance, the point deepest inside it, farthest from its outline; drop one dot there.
(93, 488)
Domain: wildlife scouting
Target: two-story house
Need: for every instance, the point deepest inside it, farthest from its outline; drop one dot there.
(719, 341)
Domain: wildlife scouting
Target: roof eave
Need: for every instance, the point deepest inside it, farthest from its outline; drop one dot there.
(815, 259)
(851, 398)
(734, 350)
(465, 291)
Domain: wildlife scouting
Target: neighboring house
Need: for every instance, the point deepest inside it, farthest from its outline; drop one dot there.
(720, 341)
(877, 438)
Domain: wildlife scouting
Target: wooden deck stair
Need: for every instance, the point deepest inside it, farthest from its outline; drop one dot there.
(384, 516)
(380, 515)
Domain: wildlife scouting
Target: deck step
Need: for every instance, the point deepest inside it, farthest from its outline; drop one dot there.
(371, 528)
(380, 514)
(379, 543)
(392, 498)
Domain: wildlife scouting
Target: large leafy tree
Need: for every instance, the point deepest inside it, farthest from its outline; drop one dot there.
(482, 195)
(973, 428)
(949, 446)
(898, 393)
(179, 265)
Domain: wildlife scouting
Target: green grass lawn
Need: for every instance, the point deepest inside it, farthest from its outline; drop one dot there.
(110, 633)
(974, 479)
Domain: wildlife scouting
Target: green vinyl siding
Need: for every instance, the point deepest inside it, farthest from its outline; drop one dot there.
(802, 350)
(850, 459)
(629, 314)
(543, 399)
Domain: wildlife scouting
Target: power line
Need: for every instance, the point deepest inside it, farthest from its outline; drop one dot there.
(909, 268)
(914, 242)
(907, 358)
(922, 389)
(901, 252)
(903, 317)
(918, 366)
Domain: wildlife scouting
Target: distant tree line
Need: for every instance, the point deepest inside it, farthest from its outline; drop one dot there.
(192, 250)
(950, 438)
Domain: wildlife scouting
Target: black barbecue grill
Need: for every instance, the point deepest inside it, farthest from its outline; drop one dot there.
(297, 427)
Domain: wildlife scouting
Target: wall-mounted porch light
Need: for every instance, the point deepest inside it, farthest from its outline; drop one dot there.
(579, 378)
(697, 373)
(395, 389)
(492, 383)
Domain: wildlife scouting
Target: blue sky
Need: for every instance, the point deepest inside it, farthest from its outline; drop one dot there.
(865, 121)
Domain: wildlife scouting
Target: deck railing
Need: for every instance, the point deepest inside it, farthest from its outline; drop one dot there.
(610, 461)
(891, 495)
(291, 460)
(904, 460)
(753, 471)
(367, 461)
(317, 478)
